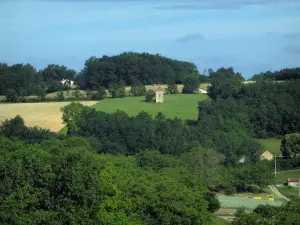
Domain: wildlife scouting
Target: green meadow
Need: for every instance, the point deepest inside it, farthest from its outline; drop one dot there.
(290, 192)
(272, 145)
(282, 176)
(183, 106)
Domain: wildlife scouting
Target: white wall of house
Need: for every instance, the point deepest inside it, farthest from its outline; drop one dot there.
(159, 97)
(293, 184)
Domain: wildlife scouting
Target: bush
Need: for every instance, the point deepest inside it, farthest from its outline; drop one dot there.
(149, 95)
(60, 96)
(172, 89)
(99, 95)
(191, 84)
(213, 202)
(138, 90)
(11, 96)
(77, 95)
(117, 90)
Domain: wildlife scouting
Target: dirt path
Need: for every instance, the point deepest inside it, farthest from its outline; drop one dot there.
(276, 192)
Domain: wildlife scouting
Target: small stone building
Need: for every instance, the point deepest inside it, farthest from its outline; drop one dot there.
(293, 182)
(266, 155)
(159, 95)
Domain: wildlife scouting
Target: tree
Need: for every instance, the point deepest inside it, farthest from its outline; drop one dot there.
(11, 95)
(117, 90)
(191, 84)
(150, 94)
(138, 90)
(60, 95)
(72, 116)
(77, 94)
(290, 145)
(213, 202)
(172, 88)
(41, 93)
(14, 127)
(99, 95)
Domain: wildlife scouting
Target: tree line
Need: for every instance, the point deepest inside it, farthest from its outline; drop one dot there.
(265, 109)
(281, 75)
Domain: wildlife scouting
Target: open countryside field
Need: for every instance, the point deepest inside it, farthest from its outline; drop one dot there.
(45, 115)
(272, 145)
(219, 221)
(282, 176)
(183, 106)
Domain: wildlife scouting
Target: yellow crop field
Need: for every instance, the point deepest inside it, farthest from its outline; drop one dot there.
(45, 115)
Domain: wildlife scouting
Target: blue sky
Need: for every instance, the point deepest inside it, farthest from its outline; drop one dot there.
(250, 35)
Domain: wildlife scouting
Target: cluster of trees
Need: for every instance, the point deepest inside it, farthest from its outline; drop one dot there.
(25, 80)
(288, 213)
(284, 74)
(265, 109)
(133, 68)
(119, 133)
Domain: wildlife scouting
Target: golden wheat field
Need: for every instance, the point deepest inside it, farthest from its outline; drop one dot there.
(45, 115)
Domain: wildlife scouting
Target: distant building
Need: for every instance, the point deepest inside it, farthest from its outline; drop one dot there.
(266, 155)
(159, 95)
(202, 91)
(69, 83)
(293, 182)
(242, 160)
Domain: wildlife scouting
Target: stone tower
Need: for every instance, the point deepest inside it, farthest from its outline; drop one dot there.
(159, 95)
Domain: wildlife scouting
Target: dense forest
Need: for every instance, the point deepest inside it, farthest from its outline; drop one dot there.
(284, 74)
(133, 68)
(265, 109)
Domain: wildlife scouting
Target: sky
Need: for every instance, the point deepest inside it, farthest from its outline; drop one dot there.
(252, 36)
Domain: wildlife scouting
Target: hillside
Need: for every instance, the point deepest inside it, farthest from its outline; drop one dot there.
(132, 67)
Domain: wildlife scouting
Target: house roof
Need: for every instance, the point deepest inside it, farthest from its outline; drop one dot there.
(293, 179)
(267, 155)
(159, 88)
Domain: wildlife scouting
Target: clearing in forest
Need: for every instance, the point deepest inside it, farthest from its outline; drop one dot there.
(272, 145)
(183, 106)
(45, 115)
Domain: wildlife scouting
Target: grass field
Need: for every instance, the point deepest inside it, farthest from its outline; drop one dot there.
(45, 115)
(219, 221)
(281, 177)
(182, 106)
(272, 145)
(236, 201)
(290, 192)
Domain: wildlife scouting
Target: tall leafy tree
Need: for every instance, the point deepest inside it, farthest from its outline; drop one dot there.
(290, 145)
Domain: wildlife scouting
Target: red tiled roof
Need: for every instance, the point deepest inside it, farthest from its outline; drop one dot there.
(159, 88)
(293, 179)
